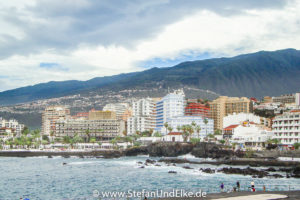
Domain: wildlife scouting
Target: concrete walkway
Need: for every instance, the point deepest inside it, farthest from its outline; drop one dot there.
(257, 197)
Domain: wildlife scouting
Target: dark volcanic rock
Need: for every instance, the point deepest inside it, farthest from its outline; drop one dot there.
(187, 167)
(277, 176)
(134, 151)
(246, 171)
(169, 149)
(150, 161)
(288, 170)
(208, 170)
(271, 169)
(211, 150)
(172, 172)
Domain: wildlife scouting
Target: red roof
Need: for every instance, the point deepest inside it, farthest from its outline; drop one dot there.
(174, 133)
(228, 128)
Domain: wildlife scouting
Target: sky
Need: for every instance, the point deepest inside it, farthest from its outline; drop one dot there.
(55, 40)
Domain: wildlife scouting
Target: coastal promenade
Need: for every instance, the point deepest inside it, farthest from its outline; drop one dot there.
(290, 195)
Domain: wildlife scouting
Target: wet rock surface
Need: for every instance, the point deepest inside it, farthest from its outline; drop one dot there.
(208, 170)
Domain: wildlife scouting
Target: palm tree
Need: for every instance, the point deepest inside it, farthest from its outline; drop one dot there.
(66, 139)
(151, 131)
(193, 124)
(166, 125)
(190, 130)
(101, 135)
(87, 135)
(93, 140)
(51, 135)
(198, 130)
(205, 122)
(178, 128)
(170, 129)
(114, 142)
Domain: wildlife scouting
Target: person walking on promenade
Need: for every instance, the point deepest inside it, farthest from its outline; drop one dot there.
(222, 187)
(238, 186)
(252, 184)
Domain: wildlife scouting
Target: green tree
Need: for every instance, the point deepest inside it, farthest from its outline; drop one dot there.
(93, 140)
(195, 140)
(218, 132)
(170, 129)
(52, 135)
(25, 131)
(113, 142)
(166, 125)
(87, 135)
(151, 132)
(205, 122)
(222, 141)
(296, 145)
(198, 130)
(157, 134)
(178, 128)
(45, 137)
(187, 131)
(66, 139)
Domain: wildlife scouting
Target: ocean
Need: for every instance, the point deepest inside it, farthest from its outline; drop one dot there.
(88, 178)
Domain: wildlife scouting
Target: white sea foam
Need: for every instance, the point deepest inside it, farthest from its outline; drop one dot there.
(84, 163)
(289, 159)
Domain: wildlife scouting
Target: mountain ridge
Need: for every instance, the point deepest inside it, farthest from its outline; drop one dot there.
(257, 74)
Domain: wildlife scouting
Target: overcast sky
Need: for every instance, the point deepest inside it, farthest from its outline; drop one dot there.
(47, 40)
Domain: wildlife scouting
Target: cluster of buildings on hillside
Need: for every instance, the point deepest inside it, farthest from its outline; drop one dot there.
(10, 128)
(247, 123)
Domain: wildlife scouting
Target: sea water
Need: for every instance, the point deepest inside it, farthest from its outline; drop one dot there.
(49, 179)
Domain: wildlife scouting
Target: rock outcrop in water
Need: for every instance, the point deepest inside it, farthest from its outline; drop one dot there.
(169, 149)
(212, 150)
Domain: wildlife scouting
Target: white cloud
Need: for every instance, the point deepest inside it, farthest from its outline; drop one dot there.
(202, 31)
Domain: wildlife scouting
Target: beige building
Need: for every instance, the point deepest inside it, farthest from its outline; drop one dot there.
(224, 106)
(100, 115)
(285, 99)
(49, 117)
(105, 129)
(119, 108)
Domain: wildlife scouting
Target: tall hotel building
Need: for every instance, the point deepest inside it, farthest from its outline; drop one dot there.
(170, 106)
(52, 114)
(143, 116)
(223, 106)
(286, 127)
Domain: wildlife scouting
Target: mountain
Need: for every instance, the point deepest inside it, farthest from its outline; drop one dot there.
(252, 75)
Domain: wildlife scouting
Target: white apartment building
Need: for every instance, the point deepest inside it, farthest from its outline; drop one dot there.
(286, 127)
(172, 105)
(143, 118)
(206, 129)
(49, 117)
(248, 135)
(118, 108)
(12, 124)
(237, 118)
